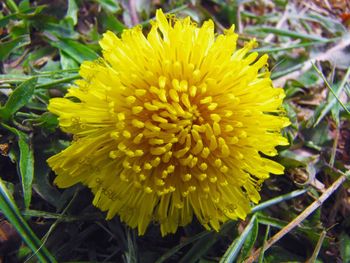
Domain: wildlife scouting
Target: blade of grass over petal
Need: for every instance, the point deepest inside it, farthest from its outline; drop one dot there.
(12, 213)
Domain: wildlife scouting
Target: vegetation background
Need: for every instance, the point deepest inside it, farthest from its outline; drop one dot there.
(42, 44)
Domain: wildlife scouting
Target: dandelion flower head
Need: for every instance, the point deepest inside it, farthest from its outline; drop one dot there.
(175, 124)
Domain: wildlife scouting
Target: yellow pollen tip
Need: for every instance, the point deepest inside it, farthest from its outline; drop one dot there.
(130, 99)
(193, 91)
(148, 190)
(121, 116)
(202, 177)
(114, 135)
(157, 150)
(113, 154)
(215, 117)
(140, 92)
(212, 106)
(186, 177)
(162, 82)
(137, 124)
(126, 134)
(173, 95)
(138, 138)
(218, 163)
(142, 177)
(213, 179)
(136, 109)
(205, 152)
(196, 75)
(206, 100)
(203, 166)
(192, 188)
(150, 106)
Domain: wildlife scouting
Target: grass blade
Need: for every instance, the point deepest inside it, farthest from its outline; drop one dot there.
(188, 241)
(330, 88)
(232, 252)
(12, 213)
(250, 241)
(261, 256)
(292, 34)
(278, 199)
(19, 97)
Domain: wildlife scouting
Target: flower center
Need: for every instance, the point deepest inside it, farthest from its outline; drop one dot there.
(173, 127)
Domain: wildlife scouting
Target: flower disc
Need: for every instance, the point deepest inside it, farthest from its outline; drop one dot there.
(171, 125)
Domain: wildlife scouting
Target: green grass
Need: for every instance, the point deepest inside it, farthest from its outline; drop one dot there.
(41, 48)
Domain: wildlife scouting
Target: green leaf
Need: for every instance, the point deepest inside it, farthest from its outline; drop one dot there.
(250, 241)
(72, 12)
(23, 5)
(26, 163)
(67, 62)
(6, 19)
(12, 213)
(289, 158)
(8, 46)
(109, 5)
(13, 78)
(12, 6)
(19, 97)
(110, 22)
(78, 51)
(41, 182)
(309, 78)
(60, 31)
(25, 13)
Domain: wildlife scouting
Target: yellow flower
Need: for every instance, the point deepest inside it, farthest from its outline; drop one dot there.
(171, 125)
